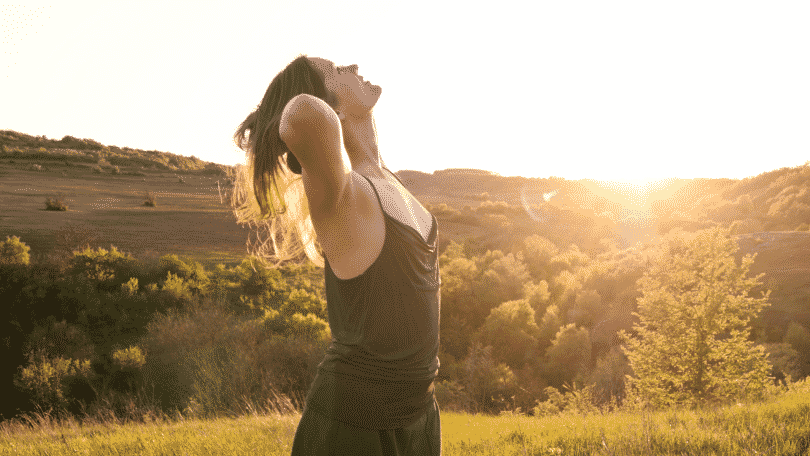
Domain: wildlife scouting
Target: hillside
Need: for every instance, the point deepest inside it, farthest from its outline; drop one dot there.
(104, 187)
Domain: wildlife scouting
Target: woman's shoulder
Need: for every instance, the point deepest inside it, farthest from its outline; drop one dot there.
(353, 236)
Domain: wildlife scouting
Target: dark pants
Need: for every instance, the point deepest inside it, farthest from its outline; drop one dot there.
(318, 435)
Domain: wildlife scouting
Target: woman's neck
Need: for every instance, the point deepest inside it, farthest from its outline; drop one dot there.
(360, 140)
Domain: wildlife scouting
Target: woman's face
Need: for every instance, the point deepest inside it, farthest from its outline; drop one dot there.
(355, 96)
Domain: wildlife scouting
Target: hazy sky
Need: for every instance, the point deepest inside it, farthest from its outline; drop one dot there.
(610, 90)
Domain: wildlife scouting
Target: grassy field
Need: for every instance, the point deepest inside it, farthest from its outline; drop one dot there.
(188, 220)
(780, 426)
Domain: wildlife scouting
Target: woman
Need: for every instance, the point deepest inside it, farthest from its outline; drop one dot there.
(373, 394)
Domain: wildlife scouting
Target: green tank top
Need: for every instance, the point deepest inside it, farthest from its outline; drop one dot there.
(379, 369)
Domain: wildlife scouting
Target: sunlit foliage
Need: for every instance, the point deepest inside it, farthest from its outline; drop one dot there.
(691, 343)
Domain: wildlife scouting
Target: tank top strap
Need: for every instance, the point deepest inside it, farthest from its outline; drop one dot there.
(379, 201)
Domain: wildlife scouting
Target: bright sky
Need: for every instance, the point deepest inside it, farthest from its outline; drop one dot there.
(627, 91)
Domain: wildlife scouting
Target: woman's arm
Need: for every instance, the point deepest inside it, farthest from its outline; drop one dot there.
(312, 131)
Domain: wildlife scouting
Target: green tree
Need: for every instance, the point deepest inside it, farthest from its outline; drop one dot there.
(691, 341)
(569, 356)
(512, 332)
(548, 326)
(460, 305)
(503, 279)
(538, 252)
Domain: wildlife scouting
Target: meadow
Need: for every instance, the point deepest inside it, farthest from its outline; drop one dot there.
(779, 426)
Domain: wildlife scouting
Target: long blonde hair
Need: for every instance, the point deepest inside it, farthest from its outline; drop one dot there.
(283, 213)
(285, 236)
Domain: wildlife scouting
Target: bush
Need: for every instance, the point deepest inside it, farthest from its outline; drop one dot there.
(487, 382)
(209, 361)
(97, 170)
(451, 396)
(116, 170)
(107, 270)
(576, 400)
(803, 227)
(308, 327)
(13, 251)
(191, 272)
(45, 380)
(59, 339)
(131, 287)
(53, 204)
(150, 199)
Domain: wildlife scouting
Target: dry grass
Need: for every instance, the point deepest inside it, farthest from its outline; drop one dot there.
(780, 426)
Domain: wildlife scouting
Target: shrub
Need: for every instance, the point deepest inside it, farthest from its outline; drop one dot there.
(107, 270)
(451, 396)
(126, 372)
(116, 170)
(45, 380)
(192, 272)
(131, 287)
(176, 291)
(576, 399)
(97, 170)
(785, 362)
(53, 204)
(150, 199)
(59, 339)
(308, 327)
(13, 251)
(129, 358)
(208, 361)
(486, 381)
(803, 227)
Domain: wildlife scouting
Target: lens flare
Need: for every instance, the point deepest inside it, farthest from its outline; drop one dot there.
(537, 217)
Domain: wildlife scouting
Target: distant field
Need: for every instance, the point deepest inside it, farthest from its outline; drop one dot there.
(189, 219)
